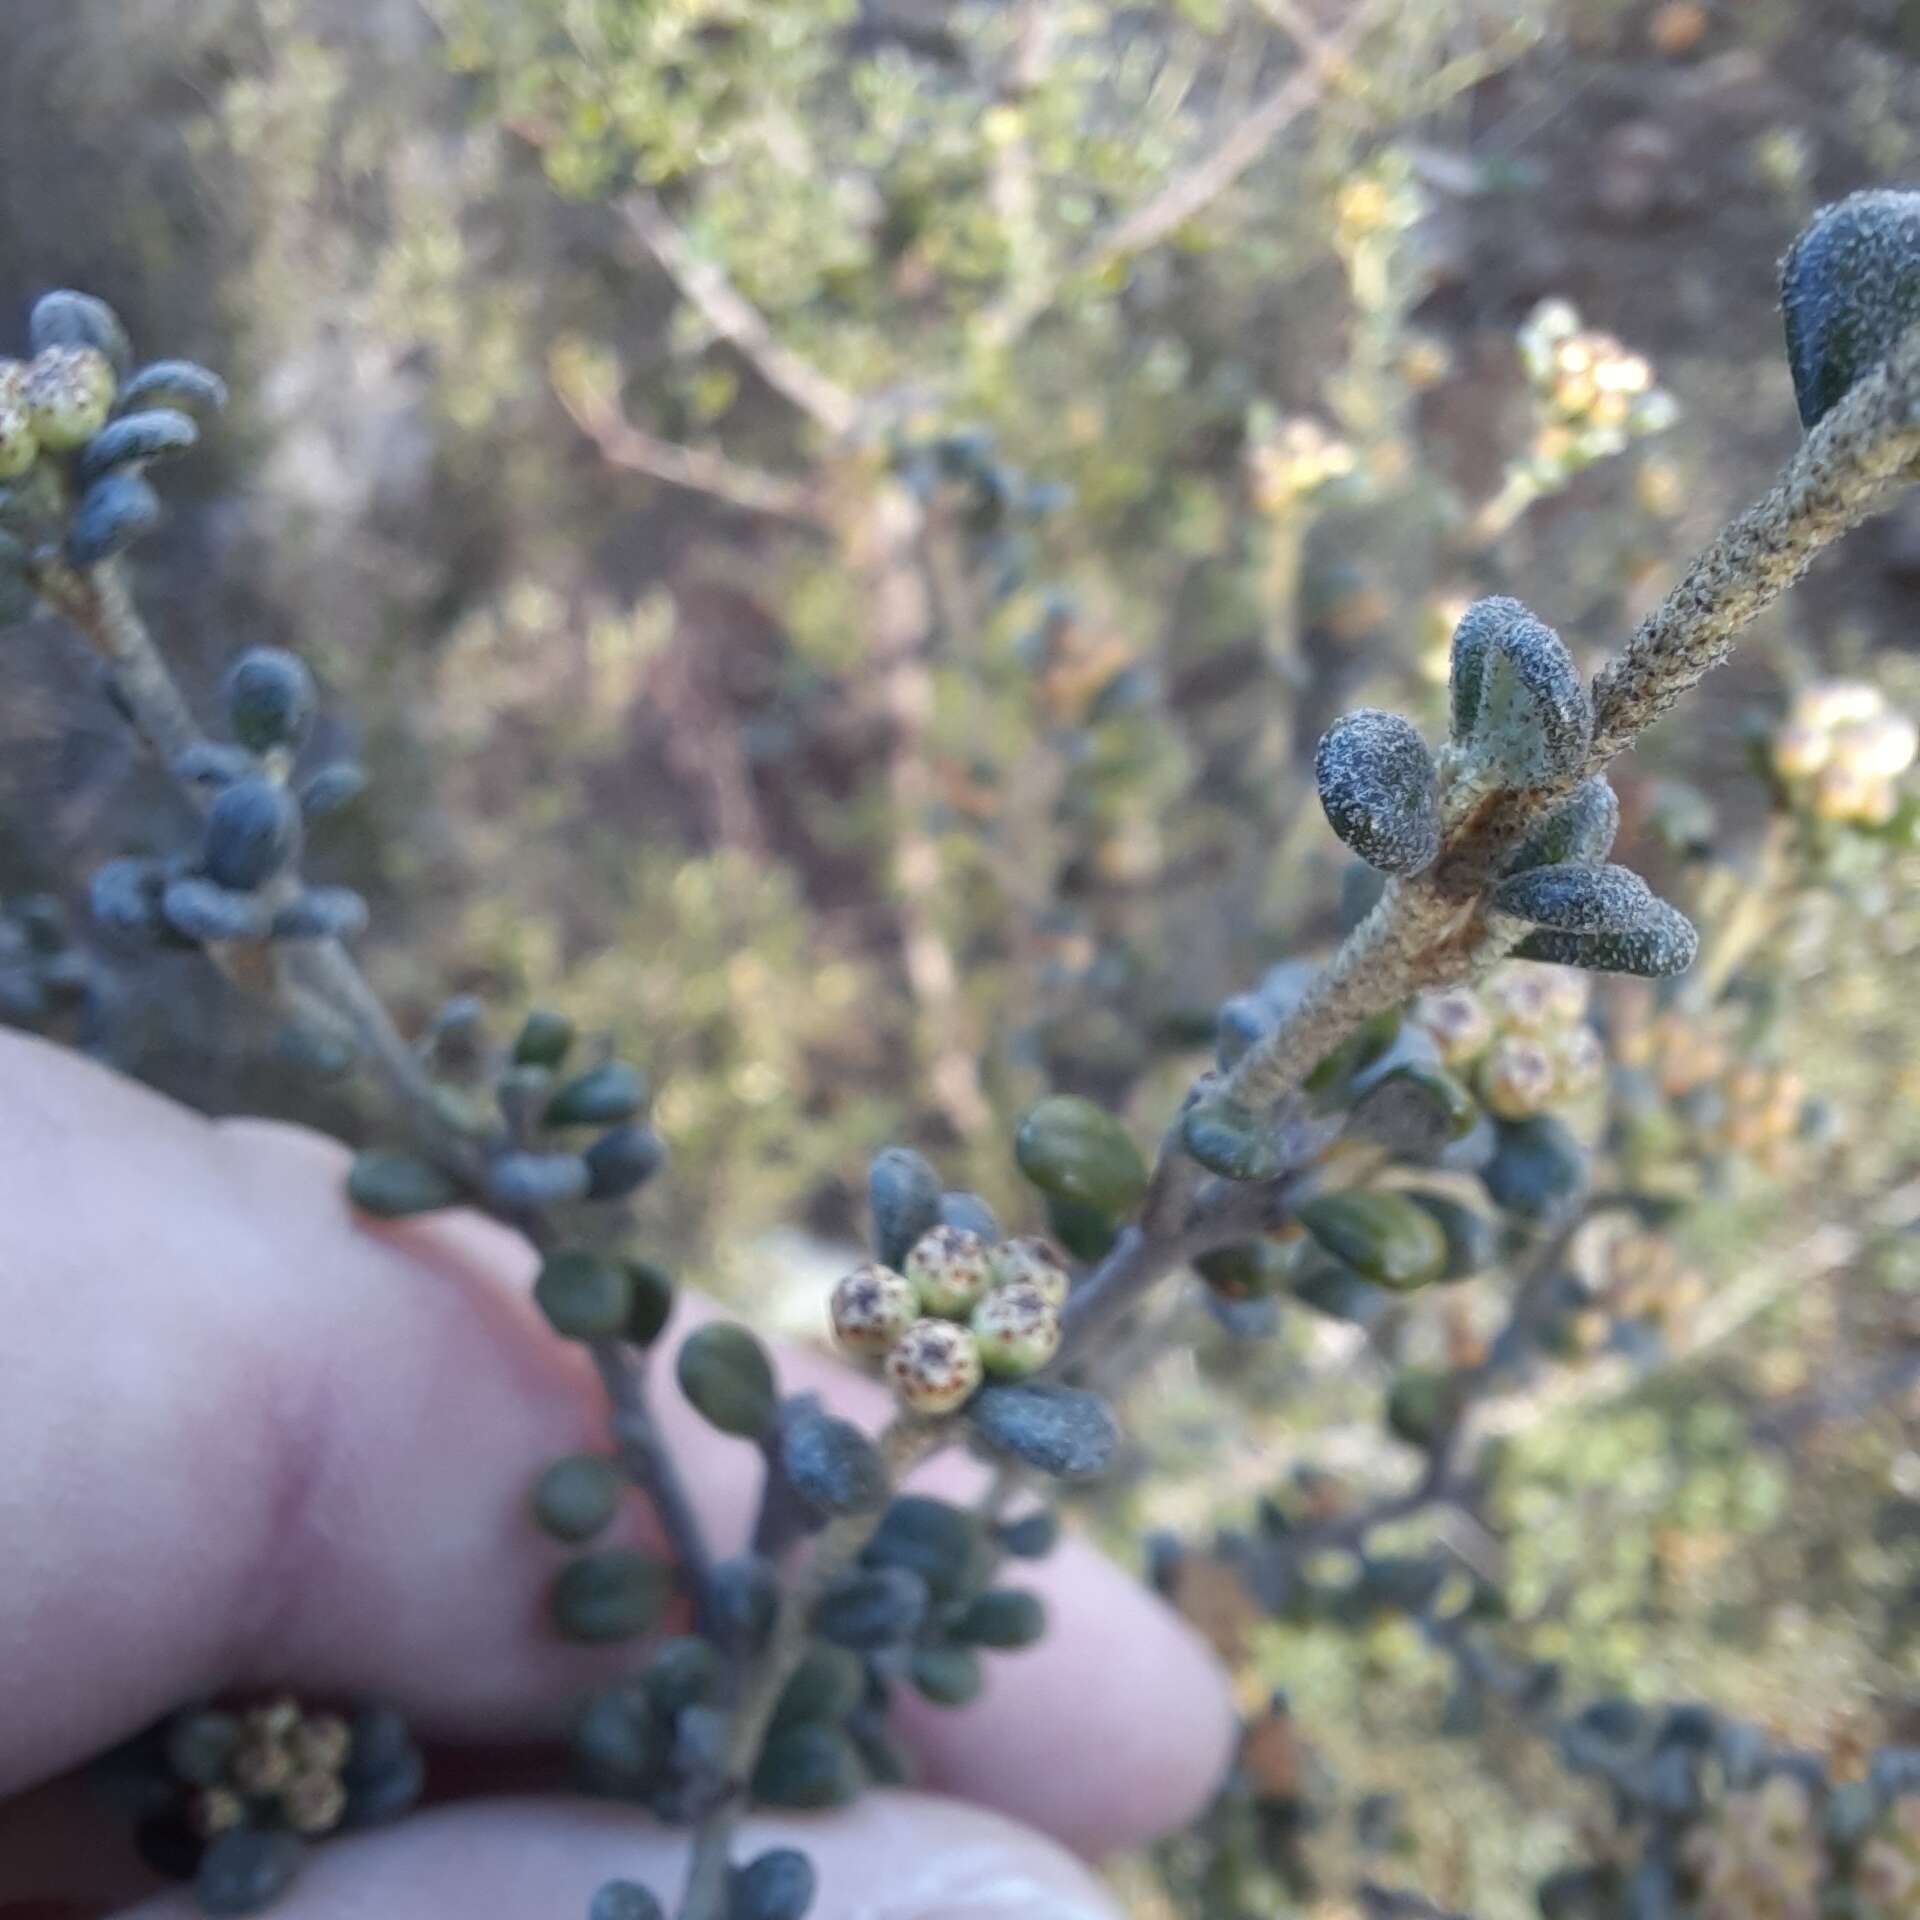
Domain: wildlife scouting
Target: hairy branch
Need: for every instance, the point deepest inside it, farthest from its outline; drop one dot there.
(1433, 929)
(1844, 469)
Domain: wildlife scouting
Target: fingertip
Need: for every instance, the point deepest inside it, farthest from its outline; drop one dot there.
(893, 1856)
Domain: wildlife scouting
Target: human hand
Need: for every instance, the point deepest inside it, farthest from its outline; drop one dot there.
(249, 1441)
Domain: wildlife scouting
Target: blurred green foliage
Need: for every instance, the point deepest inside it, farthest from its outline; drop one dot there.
(661, 762)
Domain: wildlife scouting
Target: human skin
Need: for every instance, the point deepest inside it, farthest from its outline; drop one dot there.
(249, 1440)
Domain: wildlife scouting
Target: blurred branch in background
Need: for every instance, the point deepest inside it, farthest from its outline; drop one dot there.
(737, 321)
(594, 407)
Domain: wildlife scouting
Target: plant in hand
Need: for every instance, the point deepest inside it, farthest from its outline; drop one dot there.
(1300, 1163)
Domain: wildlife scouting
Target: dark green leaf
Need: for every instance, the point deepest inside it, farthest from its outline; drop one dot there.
(1382, 1235)
(725, 1373)
(391, 1186)
(617, 1594)
(1078, 1152)
(577, 1497)
(585, 1296)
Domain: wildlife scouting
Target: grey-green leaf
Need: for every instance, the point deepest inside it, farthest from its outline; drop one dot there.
(826, 1684)
(931, 1538)
(1077, 1151)
(270, 698)
(874, 1607)
(1479, 626)
(1416, 1109)
(543, 1039)
(1063, 1431)
(600, 1097)
(809, 1768)
(903, 1195)
(1231, 1140)
(1006, 1618)
(724, 1371)
(1381, 1234)
(615, 1595)
(577, 1497)
(113, 513)
(1577, 899)
(1531, 719)
(68, 319)
(1380, 789)
(132, 440)
(1849, 288)
(776, 1885)
(247, 1870)
(829, 1462)
(948, 1676)
(520, 1182)
(585, 1296)
(624, 1900)
(1664, 943)
(1580, 830)
(1538, 1170)
(175, 383)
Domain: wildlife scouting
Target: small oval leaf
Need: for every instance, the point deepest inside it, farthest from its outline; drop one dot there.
(1076, 1151)
(1380, 790)
(1381, 1235)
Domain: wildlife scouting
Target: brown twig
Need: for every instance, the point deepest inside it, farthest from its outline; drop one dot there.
(737, 320)
(698, 469)
(888, 551)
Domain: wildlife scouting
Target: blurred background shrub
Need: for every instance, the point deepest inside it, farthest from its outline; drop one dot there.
(839, 526)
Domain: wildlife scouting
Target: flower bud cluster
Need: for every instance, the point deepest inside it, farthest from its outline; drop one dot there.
(79, 428)
(1762, 1853)
(1289, 461)
(1523, 1036)
(1840, 752)
(235, 1796)
(1591, 397)
(958, 1311)
(1643, 1279)
(1724, 1101)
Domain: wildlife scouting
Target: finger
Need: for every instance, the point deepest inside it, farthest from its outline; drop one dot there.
(249, 1440)
(894, 1857)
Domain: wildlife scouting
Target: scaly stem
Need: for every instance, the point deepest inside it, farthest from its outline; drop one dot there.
(99, 607)
(902, 1446)
(1400, 947)
(1185, 1214)
(649, 1464)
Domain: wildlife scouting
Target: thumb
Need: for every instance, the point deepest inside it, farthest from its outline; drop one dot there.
(894, 1856)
